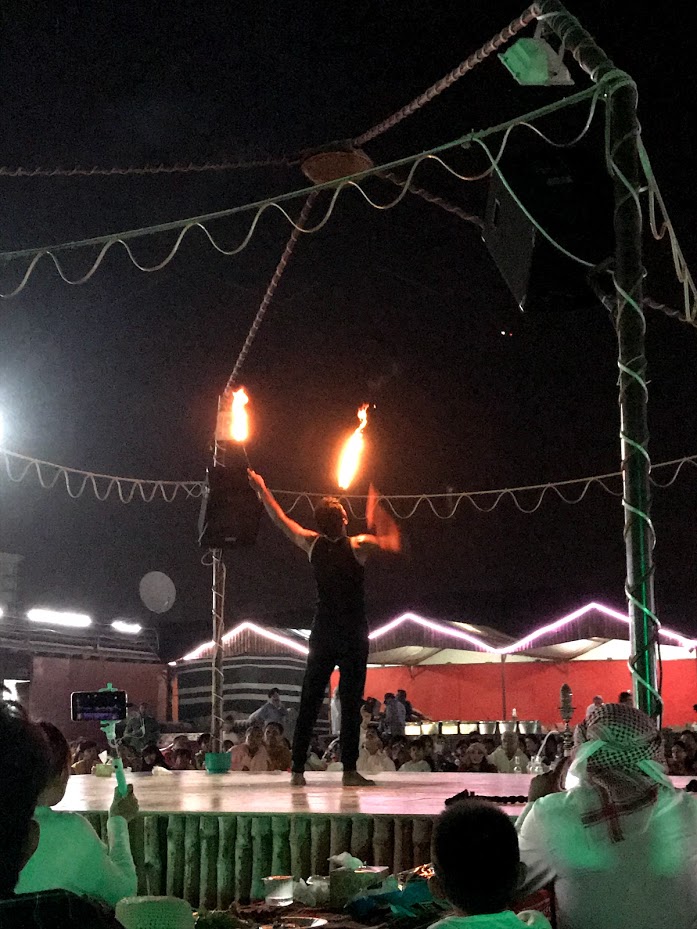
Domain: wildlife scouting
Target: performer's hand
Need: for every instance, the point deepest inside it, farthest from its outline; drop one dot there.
(381, 523)
(256, 482)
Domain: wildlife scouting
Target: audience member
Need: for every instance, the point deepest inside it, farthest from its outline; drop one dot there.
(472, 758)
(178, 742)
(152, 757)
(509, 758)
(272, 711)
(251, 755)
(531, 745)
(596, 702)
(477, 868)
(417, 752)
(25, 759)
(429, 751)
(89, 868)
(626, 698)
(182, 760)
(142, 729)
(130, 758)
(395, 716)
(86, 757)
(372, 758)
(205, 745)
(227, 745)
(335, 713)
(412, 715)
(277, 748)
(677, 763)
(689, 740)
(398, 750)
(621, 847)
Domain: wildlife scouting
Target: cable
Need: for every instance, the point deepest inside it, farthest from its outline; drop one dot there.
(263, 161)
(271, 289)
(467, 65)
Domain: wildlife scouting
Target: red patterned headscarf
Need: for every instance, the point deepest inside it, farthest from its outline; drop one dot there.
(619, 753)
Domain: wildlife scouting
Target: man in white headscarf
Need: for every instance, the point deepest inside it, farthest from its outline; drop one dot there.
(620, 847)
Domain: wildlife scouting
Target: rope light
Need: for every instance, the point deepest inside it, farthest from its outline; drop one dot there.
(403, 506)
(183, 227)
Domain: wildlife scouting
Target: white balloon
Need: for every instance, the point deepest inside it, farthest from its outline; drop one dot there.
(157, 591)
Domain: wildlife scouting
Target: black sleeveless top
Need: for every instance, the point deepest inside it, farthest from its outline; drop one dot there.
(339, 579)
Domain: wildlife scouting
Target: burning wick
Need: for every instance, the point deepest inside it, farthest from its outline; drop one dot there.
(351, 452)
(239, 419)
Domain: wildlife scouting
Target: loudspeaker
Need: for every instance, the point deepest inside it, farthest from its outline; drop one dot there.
(230, 510)
(570, 196)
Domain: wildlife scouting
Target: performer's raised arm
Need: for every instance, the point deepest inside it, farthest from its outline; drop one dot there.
(385, 532)
(302, 537)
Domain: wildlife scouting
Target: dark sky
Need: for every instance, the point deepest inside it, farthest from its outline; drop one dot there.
(403, 308)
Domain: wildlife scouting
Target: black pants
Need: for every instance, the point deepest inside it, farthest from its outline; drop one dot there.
(350, 653)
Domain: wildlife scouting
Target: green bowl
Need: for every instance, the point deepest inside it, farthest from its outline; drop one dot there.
(218, 762)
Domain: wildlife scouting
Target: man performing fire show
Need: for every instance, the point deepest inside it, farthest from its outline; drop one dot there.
(339, 630)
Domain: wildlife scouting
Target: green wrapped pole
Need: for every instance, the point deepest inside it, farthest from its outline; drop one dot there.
(622, 137)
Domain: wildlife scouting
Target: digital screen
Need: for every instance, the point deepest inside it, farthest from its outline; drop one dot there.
(98, 706)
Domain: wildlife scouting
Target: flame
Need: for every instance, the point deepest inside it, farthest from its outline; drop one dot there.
(239, 418)
(351, 453)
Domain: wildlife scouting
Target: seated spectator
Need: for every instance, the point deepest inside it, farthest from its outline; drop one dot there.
(89, 868)
(689, 740)
(429, 751)
(227, 745)
(181, 760)
(277, 748)
(477, 868)
(621, 846)
(130, 758)
(398, 750)
(473, 758)
(86, 757)
(417, 751)
(531, 745)
(626, 698)
(204, 745)
(152, 757)
(487, 741)
(366, 717)
(372, 758)
(25, 759)
(509, 757)
(332, 757)
(178, 742)
(552, 750)
(677, 763)
(141, 729)
(251, 755)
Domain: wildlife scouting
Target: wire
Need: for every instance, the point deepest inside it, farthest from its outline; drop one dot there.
(337, 186)
(442, 505)
(263, 161)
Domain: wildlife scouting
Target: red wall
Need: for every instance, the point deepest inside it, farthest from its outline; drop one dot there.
(54, 679)
(473, 692)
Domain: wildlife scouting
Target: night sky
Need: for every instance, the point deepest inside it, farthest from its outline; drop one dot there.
(403, 309)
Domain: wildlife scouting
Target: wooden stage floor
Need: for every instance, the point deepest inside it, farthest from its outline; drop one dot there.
(396, 794)
(211, 839)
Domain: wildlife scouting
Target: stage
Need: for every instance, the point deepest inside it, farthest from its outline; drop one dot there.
(211, 838)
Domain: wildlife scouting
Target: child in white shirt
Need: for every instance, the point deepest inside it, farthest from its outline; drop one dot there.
(477, 868)
(417, 751)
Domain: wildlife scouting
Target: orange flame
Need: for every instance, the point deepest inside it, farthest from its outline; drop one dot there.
(239, 418)
(351, 453)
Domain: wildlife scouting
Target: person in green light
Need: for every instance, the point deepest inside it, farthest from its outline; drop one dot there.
(70, 854)
(621, 845)
(477, 867)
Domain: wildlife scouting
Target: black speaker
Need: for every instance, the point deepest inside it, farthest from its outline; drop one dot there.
(570, 195)
(230, 510)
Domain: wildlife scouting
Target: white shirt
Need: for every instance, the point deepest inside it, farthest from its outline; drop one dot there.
(374, 764)
(505, 920)
(416, 766)
(591, 706)
(504, 764)
(71, 856)
(647, 880)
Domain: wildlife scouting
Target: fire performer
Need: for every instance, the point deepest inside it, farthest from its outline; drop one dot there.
(339, 630)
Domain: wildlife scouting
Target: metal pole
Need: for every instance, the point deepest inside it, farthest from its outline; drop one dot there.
(622, 133)
(218, 616)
